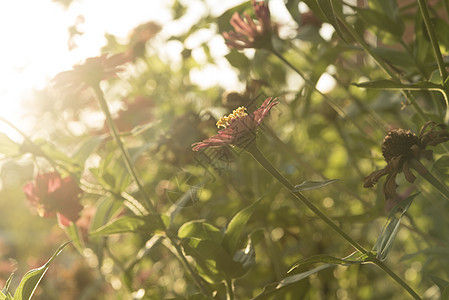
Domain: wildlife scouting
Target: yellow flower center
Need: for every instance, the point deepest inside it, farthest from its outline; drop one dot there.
(236, 114)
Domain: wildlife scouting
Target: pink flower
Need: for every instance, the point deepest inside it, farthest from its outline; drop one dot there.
(55, 196)
(90, 73)
(239, 127)
(248, 34)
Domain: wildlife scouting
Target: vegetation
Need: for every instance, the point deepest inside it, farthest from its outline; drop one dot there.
(326, 178)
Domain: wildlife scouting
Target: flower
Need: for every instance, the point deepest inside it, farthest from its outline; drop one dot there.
(139, 38)
(90, 73)
(239, 127)
(402, 149)
(55, 196)
(248, 34)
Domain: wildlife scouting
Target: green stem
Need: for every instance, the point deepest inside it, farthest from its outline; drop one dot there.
(229, 289)
(433, 38)
(441, 187)
(262, 160)
(130, 167)
(37, 148)
(309, 83)
(396, 278)
(178, 253)
(383, 65)
(125, 155)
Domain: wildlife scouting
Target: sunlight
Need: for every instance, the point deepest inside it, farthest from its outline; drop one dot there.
(35, 38)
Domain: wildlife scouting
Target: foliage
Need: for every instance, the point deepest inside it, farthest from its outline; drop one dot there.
(284, 215)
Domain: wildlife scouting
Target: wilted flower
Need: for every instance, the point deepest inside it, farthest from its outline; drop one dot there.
(402, 149)
(90, 73)
(248, 34)
(55, 196)
(239, 127)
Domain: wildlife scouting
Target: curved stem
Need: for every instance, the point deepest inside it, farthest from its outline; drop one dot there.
(114, 132)
(441, 187)
(262, 160)
(178, 253)
(125, 155)
(381, 63)
(396, 278)
(229, 289)
(433, 38)
(37, 148)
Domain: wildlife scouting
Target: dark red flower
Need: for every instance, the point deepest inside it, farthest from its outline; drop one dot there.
(239, 127)
(90, 73)
(55, 196)
(248, 34)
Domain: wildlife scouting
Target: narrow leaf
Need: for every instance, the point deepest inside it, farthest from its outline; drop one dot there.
(7, 284)
(201, 230)
(312, 185)
(394, 85)
(385, 241)
(441, 283)
(236, 227)
(32, 278)
(354, 258)
(288, 281)
(147, 224)
(7, 146)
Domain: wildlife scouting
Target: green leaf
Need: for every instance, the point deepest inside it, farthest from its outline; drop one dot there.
(236, 227)
(328, 9)
(86, 148)
(6, 296)
(389, 8)
(146, 224)
(445, 294)
(380, 21)
(106, 207)
(201, 230)
(7, 146)
(238, 60)
(212, 260)
(74, 234)
(31, 279)
(385, 241)
(246, 257)
(312, 185)
(293, 8)
(354, 258)
(223, 20)
(441, 283)
(394, 85)
(5, 289)
(293, 279)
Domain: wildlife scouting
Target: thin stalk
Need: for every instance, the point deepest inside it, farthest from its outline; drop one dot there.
(178, 253)
(309, 83)
(36, 147)
(441, 187)
(396, 278)
(266, 164)
(262, 160)
(229, 289)
(433, 38)
(383, 65)
(125, 155)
